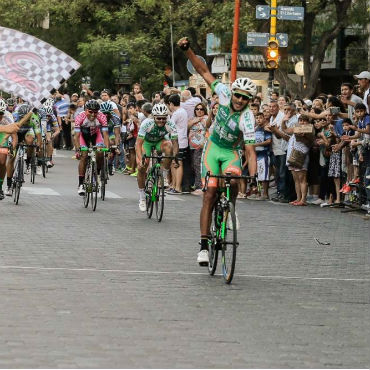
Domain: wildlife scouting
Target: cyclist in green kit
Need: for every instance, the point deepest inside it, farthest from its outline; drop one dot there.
(234, 126)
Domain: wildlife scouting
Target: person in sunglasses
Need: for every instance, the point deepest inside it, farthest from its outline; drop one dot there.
(234, 126)
(91, 128)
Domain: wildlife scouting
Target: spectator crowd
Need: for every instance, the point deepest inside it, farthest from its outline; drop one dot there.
(308, 151)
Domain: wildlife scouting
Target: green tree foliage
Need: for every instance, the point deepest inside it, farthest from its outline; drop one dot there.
(96, 31)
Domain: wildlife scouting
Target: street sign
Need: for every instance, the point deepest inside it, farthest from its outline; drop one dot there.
(290, 13)
(191, 68)
(262, 12)
(257, 39)
(261, 39)
(213, 44)
(282, 39)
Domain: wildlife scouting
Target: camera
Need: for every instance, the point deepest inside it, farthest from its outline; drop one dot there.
(334, 110)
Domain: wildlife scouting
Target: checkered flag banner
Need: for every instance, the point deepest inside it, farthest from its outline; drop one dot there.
(31, 68)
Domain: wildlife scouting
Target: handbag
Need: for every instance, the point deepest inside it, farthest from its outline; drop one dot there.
(296, 158)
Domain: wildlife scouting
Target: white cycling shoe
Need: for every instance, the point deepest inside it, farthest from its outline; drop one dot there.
(81, 190)
(142, 205)
(203, 258)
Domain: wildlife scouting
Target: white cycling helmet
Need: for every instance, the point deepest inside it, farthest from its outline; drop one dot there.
(2, 106)
(244, 84)
(160, 109)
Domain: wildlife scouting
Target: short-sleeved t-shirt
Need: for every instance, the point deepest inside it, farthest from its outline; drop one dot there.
(261, 136)
(7, 119)
(150, 131)
(231, 127)
(363, 124)
(180, 118)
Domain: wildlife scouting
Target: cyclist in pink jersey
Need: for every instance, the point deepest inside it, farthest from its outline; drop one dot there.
(91, 129)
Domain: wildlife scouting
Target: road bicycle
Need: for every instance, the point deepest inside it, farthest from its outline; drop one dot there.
(224, 227)
(18, 174)
(91, 184)
(154, 186)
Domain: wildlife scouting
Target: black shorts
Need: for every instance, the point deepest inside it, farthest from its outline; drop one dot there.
(131, 143)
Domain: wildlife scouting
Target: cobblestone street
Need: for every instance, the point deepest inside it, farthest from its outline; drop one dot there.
(113, 289)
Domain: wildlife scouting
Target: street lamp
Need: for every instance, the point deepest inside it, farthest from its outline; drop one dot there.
(299, 70)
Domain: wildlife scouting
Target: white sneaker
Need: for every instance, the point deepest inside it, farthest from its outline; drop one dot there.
(368, 177)
(81, 190)
(8, 192)
(38, 171)
(317, 202)
(203, 258)
(27, 170)
(229, 221)
(142, 205)
(49, 164)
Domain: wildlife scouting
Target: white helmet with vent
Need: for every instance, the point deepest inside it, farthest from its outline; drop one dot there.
(160, 109)
(244, 84)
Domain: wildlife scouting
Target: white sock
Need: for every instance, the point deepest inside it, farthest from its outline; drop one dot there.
(141, 194)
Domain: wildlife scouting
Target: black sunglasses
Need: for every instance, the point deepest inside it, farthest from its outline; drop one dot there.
(161, 118)
(244, 97)
(92, 111)
(200, 109)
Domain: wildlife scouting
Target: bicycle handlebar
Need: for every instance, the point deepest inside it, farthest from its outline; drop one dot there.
(227, 177)
(158, 157)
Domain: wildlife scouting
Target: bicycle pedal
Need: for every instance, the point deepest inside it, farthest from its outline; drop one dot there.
(203, 264)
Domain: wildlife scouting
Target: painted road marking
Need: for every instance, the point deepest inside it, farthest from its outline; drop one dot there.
(148, 272)
(110, 194)
(39, 191)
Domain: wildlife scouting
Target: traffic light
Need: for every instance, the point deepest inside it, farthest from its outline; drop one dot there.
(272, 54)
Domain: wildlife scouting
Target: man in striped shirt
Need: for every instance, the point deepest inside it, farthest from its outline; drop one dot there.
(61, 107)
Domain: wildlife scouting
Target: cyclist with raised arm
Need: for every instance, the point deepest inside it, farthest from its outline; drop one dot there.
(234, 125)
(157, 133)
(90, 129)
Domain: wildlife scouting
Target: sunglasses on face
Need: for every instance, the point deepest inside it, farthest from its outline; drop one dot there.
(238, 96)
(93, 111)
(161, 118)
(201, 109)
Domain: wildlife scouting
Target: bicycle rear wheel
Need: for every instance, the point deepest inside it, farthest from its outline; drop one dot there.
(94, 187)
(43, 161)
(215, 245)
(159, 199)
(149, 194)
(229, 243)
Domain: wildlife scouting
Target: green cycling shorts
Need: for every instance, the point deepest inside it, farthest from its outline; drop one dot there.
(219, 160)
(149, 145)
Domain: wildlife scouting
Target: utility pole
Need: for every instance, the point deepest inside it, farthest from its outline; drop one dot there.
(235, 46)
(172, 52)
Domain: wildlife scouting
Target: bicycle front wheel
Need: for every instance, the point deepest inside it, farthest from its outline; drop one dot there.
(87, 187)
(159, 199)
(33, 170)
(94, 188)
(229, 243)
(149, 195)
(215, 245)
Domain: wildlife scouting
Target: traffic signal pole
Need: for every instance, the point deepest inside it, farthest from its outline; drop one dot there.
(273, 17)
(235, 46)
